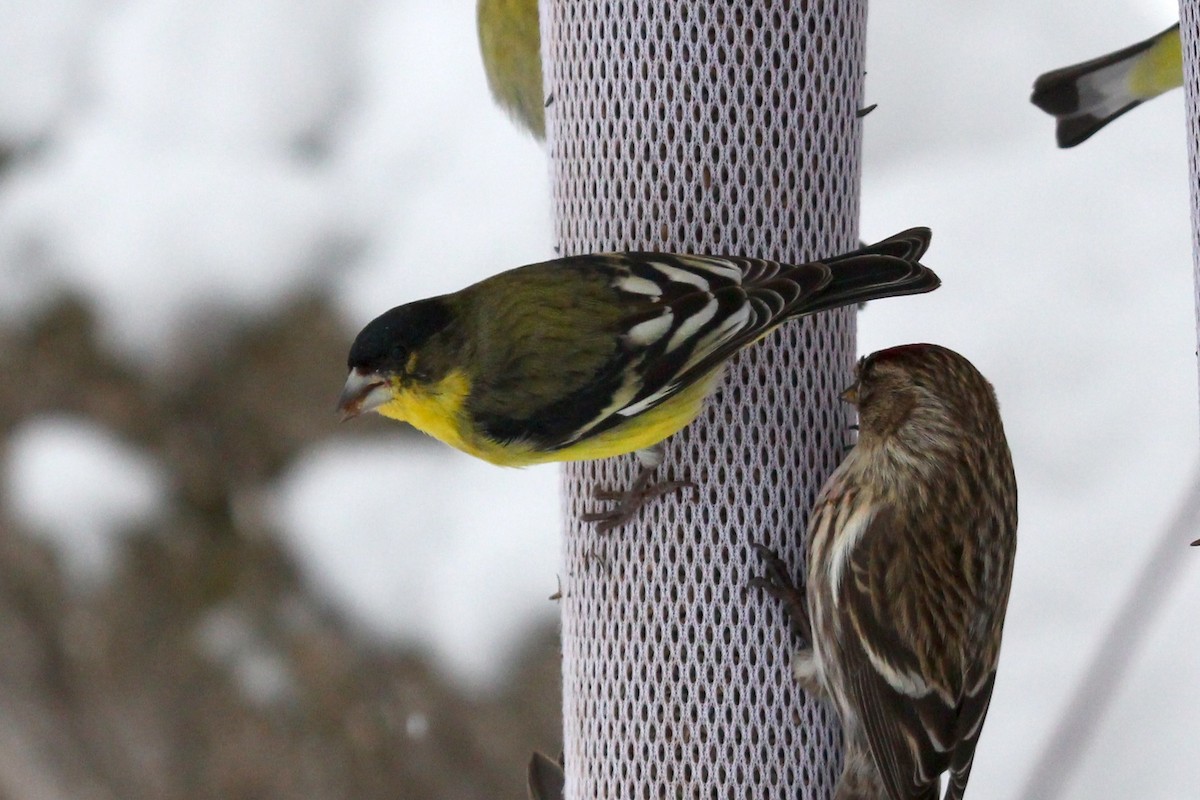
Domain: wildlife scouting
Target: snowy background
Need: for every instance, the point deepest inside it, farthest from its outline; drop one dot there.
(186, 170)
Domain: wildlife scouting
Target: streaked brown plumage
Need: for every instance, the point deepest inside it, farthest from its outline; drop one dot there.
(911, 547)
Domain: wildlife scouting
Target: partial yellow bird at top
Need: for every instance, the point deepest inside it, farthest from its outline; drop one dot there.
(1087, 96)
(510, 43)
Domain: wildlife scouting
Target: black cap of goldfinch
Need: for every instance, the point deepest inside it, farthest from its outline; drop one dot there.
(384, 351)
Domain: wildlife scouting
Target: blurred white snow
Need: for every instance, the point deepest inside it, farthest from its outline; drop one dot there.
(227, 636)
(427, 547)
(74, 483)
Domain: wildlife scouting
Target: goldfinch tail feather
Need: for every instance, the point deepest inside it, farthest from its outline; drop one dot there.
(885, 269)
(1087, 96)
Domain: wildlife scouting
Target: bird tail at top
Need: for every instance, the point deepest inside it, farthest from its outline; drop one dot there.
(1087, 96)
(884, 269)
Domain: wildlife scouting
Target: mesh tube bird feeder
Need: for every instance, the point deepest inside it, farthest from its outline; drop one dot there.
(1189, 33)
(729, 127)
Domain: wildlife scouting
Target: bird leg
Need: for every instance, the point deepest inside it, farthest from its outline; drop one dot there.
(630, 501)
(778, 584)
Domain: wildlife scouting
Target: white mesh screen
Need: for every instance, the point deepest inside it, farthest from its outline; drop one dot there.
(725, 126)
(1189, 29)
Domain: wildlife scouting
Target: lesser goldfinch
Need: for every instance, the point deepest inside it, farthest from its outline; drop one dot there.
(1085, 97)
(910, 556)
(510, 43)
(597, 355)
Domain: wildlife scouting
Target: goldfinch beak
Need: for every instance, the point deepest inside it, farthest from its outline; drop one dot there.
(363, 392)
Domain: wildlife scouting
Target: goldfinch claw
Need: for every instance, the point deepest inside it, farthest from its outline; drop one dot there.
(630, 501)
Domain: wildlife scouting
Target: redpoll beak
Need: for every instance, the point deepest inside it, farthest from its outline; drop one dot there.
(850, 395)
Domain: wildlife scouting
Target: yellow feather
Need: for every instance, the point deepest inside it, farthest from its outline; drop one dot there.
(510, 43)
(644, 430)
(1159, 68)
(437, 411)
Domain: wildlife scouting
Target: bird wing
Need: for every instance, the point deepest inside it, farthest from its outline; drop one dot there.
(920, 692)
(600, 339)
(642, 327)
(695, 312)
(705, 308)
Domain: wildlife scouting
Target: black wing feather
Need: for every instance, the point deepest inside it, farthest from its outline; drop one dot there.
(710, 307)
